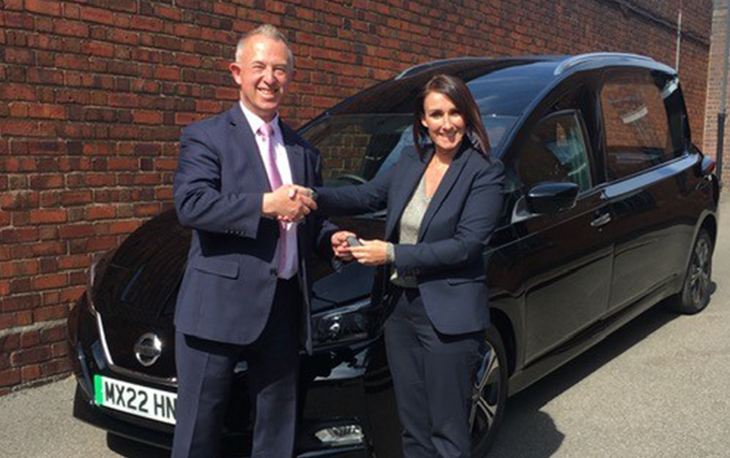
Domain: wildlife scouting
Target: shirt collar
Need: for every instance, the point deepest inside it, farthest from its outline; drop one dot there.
(256, 122)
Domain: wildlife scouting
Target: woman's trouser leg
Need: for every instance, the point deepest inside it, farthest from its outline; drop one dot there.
(405, 358)
(449, 366)
(433, 377)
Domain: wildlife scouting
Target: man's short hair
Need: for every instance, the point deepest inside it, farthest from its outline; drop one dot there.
(268, 31)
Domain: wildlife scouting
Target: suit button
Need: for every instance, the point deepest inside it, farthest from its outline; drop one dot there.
(273, 272)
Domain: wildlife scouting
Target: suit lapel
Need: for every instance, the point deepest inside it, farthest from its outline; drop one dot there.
(447, 183)
(244, 143)
(403, 192)
(295, 153)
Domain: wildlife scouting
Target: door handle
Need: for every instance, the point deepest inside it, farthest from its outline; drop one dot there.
(601, 220)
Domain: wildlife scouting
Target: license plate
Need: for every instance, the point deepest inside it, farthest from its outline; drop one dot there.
(138, 400)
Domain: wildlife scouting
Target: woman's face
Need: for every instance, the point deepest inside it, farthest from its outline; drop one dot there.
(445, 123)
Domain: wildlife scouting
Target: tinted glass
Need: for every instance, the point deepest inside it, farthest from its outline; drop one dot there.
(367, 132)
(674, 103)
(556, 151)
(504, 87)
(555, 148)
(356, 147)
(636, 122)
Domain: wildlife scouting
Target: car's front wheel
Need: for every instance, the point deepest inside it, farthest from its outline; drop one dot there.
(490, 394)
(697, 287)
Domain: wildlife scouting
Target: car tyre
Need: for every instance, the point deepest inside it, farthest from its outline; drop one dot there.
(697, 286)
(489, 396)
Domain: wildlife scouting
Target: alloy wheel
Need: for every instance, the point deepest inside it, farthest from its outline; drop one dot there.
(699, 277)
(486, 396)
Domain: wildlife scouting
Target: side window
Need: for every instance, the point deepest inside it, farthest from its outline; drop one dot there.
(636, 122)
(676, 111)
(556, 150)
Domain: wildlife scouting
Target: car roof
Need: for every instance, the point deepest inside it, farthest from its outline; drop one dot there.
(562, 63)
(518, 80)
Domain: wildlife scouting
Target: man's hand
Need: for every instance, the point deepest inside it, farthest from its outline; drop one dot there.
(301, 194)
(371, 253)
(289, 203)
(340, 246)
(297, 191)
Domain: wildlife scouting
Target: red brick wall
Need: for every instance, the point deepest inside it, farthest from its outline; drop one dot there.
(93, 94)
(714, 88)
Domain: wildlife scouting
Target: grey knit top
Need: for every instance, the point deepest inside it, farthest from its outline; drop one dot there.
(410, 224)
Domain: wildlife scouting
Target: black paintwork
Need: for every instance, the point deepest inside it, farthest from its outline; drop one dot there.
(560, 281)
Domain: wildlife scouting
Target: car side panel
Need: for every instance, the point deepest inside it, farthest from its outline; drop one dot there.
(653, 225)
(565, 269)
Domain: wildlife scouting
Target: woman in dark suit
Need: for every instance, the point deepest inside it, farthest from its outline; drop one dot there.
(443, 201)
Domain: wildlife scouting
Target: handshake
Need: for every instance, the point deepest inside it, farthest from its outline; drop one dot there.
(289, 203)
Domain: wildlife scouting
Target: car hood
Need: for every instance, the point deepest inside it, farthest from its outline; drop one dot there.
(136, 287)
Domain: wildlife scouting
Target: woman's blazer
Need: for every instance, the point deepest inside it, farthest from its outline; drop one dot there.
(448, 259)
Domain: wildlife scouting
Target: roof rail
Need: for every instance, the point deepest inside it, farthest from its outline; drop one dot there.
(582, 58)
(436, 63)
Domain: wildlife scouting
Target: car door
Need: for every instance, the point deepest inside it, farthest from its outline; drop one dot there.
(564, 258)
(648, 182)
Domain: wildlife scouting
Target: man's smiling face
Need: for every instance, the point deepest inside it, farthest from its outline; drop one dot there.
(263, 71)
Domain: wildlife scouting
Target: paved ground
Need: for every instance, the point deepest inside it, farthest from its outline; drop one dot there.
(660, 387)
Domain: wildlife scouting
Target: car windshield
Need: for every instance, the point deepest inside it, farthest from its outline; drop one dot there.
(355, 147)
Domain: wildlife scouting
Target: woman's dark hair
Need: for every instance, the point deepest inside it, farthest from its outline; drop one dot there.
(455, 89)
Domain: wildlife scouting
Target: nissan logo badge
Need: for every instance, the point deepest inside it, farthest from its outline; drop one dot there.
(148, 349)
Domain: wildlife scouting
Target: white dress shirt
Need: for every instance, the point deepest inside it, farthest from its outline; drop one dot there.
(282, 163)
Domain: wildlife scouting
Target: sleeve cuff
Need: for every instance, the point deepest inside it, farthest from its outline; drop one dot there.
(390, 253)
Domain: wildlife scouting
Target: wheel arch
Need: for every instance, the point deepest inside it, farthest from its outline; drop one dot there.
(710, 225)
(502, 323)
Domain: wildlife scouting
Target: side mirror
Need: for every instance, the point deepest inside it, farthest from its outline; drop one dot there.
(552, 197)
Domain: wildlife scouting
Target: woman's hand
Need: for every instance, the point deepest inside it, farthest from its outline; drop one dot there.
(340, 246)
(371, 252)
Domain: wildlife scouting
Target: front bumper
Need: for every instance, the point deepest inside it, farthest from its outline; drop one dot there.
(234, 444)
(340, 388)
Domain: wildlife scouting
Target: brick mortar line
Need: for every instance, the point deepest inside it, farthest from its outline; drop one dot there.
(650, 15)
(32, 327)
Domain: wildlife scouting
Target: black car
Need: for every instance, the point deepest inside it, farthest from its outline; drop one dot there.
(609, 209)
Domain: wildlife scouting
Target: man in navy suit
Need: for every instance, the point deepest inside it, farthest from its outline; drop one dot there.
(244, 294)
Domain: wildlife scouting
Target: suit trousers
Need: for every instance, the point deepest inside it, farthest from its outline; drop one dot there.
(205, 376)
(433, 379)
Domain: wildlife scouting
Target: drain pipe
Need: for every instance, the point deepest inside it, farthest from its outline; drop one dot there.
(723, 96)
(679, 38)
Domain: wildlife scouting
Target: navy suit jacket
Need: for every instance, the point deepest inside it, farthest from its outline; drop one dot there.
(448, 259)
(230, 278)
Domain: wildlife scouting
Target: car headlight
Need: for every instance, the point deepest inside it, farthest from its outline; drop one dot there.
(350, 323)
(341, 435)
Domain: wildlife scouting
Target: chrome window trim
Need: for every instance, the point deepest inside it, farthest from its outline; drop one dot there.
(647, 177)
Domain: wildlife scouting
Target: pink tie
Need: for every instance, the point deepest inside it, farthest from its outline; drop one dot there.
(267, 134)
